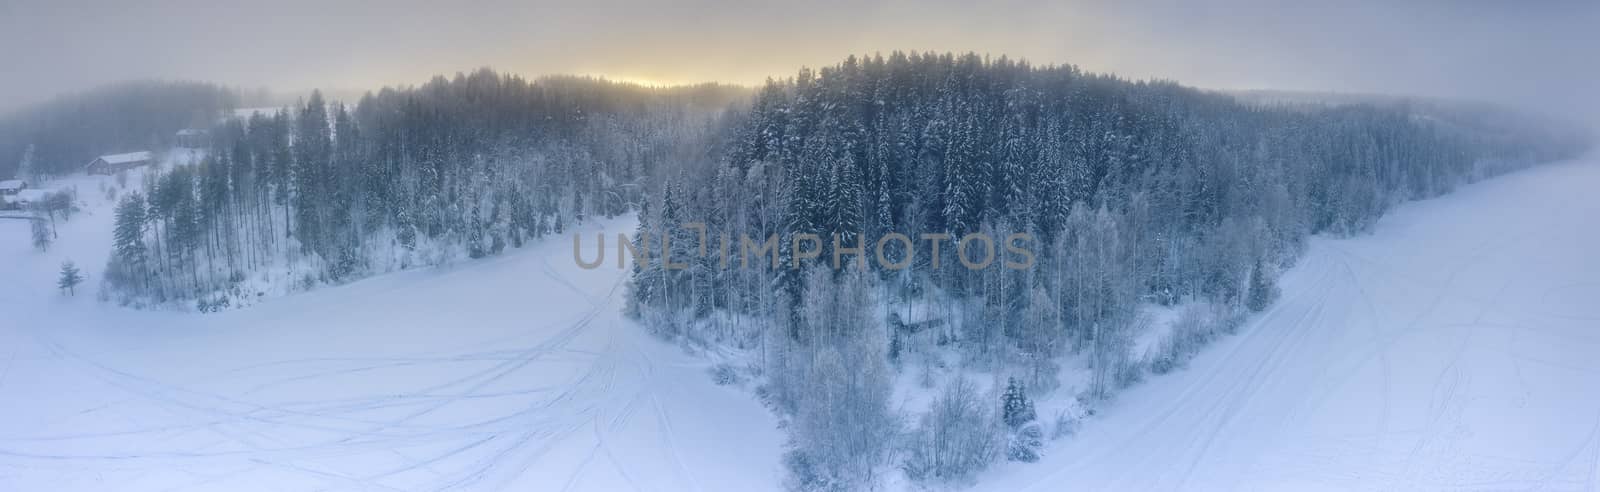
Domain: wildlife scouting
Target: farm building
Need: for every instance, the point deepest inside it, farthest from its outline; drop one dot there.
(192, 138)
(30, 197)
(9, 189)
(33, 197)
(12, 186)
(115, 163)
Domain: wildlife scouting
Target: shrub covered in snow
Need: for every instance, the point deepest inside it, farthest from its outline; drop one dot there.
(834, 381)
(1026, 443)
(724, 374)
(1196, 325)
(958, 437)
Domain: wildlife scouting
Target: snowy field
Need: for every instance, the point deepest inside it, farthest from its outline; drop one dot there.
(511, 373)
(1455, 348)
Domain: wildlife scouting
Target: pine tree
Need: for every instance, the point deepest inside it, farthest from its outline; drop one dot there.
(129, 255)
(69, 279)
(1263, 290)
(1012, 179)
(965, 191)
(41, 234)
(311, 176)
(1016, 408)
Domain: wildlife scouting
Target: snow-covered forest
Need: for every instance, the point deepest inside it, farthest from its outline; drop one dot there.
(456, 168)
(1139, 194)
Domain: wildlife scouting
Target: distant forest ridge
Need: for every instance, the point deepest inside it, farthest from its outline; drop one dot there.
(67, 131)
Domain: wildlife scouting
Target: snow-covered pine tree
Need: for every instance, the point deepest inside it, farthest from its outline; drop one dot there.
(1263, 288)
(1015, 407)
(69, 279)
(42, 237)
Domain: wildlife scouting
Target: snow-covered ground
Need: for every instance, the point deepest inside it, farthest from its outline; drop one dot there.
(510, 373)
(1457, 347)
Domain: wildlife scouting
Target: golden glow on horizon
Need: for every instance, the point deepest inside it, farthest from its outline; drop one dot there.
(640, 80)
(644, 81)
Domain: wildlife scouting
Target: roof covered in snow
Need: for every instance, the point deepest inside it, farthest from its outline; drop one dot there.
(11, 184)
(32, 196)
(126, 158)
(190, 132)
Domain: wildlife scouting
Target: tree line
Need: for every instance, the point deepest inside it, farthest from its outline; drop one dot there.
(458, 167)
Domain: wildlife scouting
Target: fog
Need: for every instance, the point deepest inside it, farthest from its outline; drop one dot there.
(1535, 54)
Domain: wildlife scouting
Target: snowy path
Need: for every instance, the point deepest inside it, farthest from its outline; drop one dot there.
(1458, 347)
(511, 373)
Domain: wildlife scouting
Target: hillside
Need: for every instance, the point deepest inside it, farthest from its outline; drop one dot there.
(516, 372)
(1452, 349)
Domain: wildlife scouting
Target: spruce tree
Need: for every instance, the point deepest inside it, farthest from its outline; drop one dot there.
(69, 279)
(41, 234)
(1263, 289)
(1016, 408)
(129, 252)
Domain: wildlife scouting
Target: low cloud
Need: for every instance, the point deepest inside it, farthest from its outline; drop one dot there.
(1533, 54)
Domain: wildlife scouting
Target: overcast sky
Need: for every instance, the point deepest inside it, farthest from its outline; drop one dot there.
(1544, 54)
